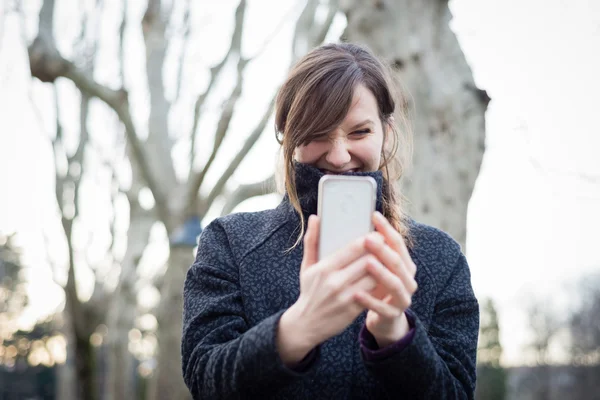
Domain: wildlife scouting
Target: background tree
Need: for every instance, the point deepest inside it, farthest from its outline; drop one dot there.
(584, 329)
(26, 355)
(447, 109)
(491, 376)
(133, 172)
(544, 324)
(13, 296)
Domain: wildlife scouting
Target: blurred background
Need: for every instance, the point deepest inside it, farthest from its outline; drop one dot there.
(127, 126)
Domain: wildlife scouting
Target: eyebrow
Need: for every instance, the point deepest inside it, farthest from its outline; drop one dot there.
(366, 121)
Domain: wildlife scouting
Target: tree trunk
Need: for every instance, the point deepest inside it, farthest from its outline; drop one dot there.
(85, 364)
(447, 109)
(66, 375)
(120, 372)
(168, 382)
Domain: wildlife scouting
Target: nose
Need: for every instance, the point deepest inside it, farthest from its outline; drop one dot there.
(338, 154)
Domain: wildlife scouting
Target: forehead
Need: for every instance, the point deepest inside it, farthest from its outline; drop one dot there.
(364, 106)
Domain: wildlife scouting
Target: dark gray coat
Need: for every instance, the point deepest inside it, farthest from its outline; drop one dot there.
(242, 281)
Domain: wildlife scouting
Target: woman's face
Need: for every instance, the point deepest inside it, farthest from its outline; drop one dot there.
(355, 145)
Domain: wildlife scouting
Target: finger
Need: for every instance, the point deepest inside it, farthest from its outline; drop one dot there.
(353, 272)
(394, 239)
(391, 235)
(392, 260)
(352, 278)
(311, 241)
(402, 297)
(382, 308)
(364, 284)
(348, 254)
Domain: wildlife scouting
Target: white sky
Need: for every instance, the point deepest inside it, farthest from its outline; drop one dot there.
(535, 211)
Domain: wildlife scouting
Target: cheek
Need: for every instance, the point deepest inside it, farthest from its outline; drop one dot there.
(370, 153)
(310, 153)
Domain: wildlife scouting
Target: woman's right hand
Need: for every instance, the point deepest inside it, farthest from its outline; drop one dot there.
(326, 305)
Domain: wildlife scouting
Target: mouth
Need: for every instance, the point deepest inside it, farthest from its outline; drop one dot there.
(328, 172)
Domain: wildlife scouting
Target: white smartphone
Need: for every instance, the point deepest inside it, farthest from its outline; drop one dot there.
(345, 208)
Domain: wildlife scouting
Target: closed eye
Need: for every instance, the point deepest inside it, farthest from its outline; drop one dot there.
(362, 132)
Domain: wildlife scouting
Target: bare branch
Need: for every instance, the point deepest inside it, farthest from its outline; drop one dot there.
(300, 44)
(244, 192)
(306, 34)
(46, 21)
(96, 310)
(113, 222)
(222, 129)
(61, 185)
(184, 48)
(53, 267)
(234, 48)
(237, 160)
(282, 23)
(47, 65)
(321, 33)
(122, 44)
(159, 144)
(302, 36)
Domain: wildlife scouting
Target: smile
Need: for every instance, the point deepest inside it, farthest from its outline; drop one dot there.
(327, 172)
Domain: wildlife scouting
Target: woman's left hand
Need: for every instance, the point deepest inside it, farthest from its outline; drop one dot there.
(395, 274)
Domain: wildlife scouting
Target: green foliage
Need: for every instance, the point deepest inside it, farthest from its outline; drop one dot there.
(490, 349)
(491, 377)
(13, 297)
(18, 347)
(584, 325)
(491, 382)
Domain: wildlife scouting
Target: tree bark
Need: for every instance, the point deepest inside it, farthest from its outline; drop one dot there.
(85, 366)
(123, 310)
(415, 38)
(169, 379)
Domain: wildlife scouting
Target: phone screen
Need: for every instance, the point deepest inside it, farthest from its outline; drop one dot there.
(346, 205)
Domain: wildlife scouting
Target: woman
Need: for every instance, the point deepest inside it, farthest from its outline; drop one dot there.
(263, 318)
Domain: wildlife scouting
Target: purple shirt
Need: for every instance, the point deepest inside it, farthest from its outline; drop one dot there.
(372, 352)
(368, 346)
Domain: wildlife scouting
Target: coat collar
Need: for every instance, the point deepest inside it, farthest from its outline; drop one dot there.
(307, 187)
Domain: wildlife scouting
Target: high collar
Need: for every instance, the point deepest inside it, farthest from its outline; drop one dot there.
(307, 186)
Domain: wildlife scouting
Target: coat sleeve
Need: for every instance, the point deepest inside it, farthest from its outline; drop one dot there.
(439, 363)
(222, 357)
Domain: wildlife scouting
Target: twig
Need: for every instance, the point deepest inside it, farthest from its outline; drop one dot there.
(237, 160)
(301, 32)
(222, 128)
(214, 75)
(283, 22)
(122, 44)
(196, 178)
(244, 192)
(321, 33)
(47, 65)
(184, 48)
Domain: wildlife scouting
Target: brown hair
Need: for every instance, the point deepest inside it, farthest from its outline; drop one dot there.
(315, 99)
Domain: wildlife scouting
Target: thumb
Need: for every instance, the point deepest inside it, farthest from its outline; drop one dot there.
(311, 243)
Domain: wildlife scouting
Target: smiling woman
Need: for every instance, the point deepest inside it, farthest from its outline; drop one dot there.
(265, 318)
(336, 112)
(350, 147)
